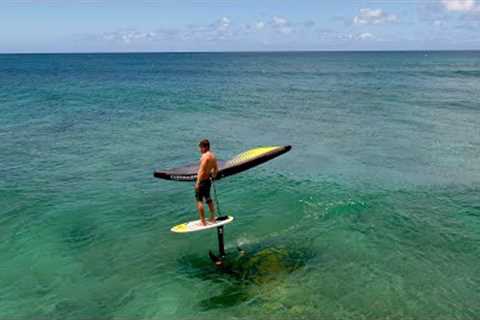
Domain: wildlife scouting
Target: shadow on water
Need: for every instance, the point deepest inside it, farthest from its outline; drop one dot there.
(247, 271)
(79, 235)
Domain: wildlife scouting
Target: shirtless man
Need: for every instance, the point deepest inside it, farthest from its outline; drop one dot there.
(208, 169)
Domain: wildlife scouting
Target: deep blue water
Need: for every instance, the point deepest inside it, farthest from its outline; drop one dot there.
(374, 214)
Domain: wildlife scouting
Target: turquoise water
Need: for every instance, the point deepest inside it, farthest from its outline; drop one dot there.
(374, 214)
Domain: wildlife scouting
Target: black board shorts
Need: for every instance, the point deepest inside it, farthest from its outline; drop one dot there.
(203, 191)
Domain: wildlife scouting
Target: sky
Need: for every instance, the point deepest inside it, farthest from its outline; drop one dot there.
(237, 25)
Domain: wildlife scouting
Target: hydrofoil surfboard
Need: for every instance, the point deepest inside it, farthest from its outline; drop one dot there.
(197, 225)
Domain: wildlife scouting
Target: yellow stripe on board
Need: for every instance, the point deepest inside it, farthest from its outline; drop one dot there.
(181, 228)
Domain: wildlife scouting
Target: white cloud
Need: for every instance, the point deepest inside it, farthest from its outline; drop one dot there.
(365, 36)
(281, 25)
(127, 36)
(223, 24)
(226, 32)
(339, 36)
(373, 16)
(260, 25)
(279, 21)
(222, 29)
(459, 5)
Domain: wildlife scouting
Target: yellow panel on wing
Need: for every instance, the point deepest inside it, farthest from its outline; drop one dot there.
(252, 154)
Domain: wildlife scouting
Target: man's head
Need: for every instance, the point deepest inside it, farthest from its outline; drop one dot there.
(204, 145)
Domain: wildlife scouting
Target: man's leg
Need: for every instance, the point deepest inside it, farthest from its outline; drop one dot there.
(201, 212)
(211, 208)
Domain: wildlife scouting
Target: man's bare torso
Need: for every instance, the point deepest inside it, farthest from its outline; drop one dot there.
(208, 166)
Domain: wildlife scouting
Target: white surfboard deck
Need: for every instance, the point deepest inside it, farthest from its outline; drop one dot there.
(194, 226)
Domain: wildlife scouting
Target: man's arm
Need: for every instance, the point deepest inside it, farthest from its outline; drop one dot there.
(201, 171)
(215, 169)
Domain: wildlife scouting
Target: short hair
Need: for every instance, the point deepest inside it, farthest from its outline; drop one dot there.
(204, 144)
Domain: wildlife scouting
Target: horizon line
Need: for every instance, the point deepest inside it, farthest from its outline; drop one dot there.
(238, 51)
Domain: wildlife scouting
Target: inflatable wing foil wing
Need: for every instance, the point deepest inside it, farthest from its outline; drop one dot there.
(237, 164)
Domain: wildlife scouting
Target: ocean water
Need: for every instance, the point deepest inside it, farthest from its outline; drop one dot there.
(374, 214)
